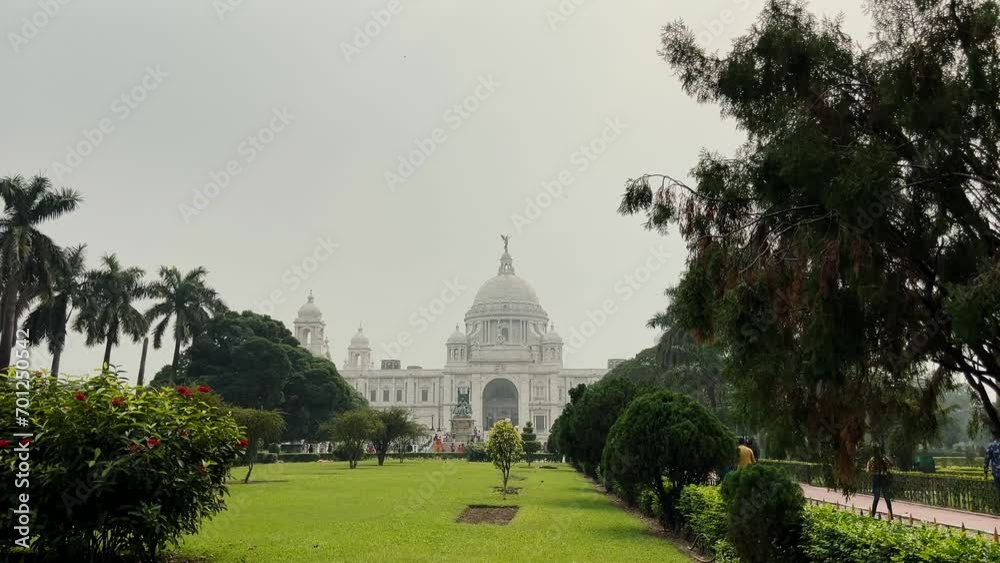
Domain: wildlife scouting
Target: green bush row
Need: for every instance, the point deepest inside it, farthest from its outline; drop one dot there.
(472, 454)
(838, 536)
(960, 491)
(975, 463)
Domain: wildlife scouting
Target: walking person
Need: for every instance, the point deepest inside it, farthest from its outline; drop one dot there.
(880, 469)
(746, 455)
(992, 459)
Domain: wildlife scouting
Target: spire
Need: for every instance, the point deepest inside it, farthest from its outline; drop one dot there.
(506, 262)
(310, 298)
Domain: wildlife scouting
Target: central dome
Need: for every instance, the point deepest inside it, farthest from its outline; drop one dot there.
(505, 288)
(505, 295)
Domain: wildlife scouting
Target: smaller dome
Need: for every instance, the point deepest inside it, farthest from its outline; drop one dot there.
(310, 311)
(359, 340)
(552, 337)
(457, 337)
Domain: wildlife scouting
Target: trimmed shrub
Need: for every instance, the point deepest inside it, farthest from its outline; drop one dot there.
(704, 511)
(765, 511)
(600, 406)
(530, 441)
(118, 472)
(665, 435)
(837, 536)
(267, 457)
(476, 452)
(299, 458)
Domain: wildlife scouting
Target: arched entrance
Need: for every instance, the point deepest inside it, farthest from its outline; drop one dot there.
(499, 402)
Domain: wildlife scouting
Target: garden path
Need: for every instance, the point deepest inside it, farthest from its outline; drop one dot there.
(903, 510)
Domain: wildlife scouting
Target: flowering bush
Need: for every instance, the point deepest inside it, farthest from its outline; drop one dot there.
(118, 473)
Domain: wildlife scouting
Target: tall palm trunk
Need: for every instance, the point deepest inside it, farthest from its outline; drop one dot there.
(176, 360)
(107, 347)
(142, 363)
(8, 317)
(56, 356)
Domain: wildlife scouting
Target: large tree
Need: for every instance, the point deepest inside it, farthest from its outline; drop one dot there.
(109, 310)
(49, 320)
(853, 239)
(253, 361)
(29, 259)
(184, 298)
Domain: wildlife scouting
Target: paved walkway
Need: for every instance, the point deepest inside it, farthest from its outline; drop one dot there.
(904, 510)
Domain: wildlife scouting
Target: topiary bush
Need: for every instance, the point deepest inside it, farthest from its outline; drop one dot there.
(598, 409)
(765, 514)
(665, 434)
(118, 473)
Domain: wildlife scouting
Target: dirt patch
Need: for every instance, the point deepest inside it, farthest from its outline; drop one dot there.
(547, 467)
(487, 514)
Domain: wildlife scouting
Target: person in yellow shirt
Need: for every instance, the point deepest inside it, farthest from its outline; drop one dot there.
(746, 454)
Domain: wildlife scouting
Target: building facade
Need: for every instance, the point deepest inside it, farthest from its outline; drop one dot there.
(506, 360)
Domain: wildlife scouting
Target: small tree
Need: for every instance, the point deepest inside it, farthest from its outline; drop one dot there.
(261, 427)
(411, 432)
(665, 434)
(505, 448)
(351, 430)
(394, 423)
(531, 443)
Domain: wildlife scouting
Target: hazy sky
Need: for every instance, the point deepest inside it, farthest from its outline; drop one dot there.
(309, 113)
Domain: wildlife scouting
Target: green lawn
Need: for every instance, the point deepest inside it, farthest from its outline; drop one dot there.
(312, 512)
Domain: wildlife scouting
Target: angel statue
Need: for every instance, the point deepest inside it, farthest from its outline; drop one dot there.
(506, 241)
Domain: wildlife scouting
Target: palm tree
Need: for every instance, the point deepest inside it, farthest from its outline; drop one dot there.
(186, 299)
(27, 256)
(107, 311)
(51, 316)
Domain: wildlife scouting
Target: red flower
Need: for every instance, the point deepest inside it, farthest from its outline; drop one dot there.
(25, 441)
(184, 391)
(133, 447)
(152, 442)
(118, 401)
(243, 443)
(79, 396)
(4, 444)
(204, 389)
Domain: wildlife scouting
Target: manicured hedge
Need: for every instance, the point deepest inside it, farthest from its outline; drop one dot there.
(975, 463)
(838, 536)
(266, 457)
(974, 493)
(469, 454)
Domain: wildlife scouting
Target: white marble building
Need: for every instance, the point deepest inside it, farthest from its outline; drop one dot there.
(508, 361)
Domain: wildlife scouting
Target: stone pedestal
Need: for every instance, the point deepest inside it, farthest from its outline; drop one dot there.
(463, 428)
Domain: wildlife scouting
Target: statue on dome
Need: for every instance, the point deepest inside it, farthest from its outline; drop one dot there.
(506, 241)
